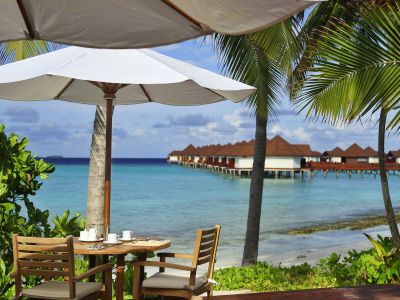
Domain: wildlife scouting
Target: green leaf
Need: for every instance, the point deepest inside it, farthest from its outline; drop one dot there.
(8, 206)
(378, 247)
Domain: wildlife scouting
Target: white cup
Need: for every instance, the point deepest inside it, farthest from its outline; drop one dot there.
(84, 235)
(92, 234)
(127, 235)
(112, 238)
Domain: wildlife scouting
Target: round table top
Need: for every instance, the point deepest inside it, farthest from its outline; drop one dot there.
(136, 246)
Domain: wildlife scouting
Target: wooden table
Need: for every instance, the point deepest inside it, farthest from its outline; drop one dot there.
(120, 251)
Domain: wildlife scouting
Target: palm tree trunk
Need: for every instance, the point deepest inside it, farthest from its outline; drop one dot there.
(391, 218)
(250, 251)
(95, 201)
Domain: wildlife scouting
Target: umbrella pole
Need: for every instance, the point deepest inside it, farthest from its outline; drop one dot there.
(107, 177)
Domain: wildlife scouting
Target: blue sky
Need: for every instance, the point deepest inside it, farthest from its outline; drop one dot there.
(153, 130)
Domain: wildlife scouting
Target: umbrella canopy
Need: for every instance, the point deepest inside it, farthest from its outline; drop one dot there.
(137, 23)
(113, 77)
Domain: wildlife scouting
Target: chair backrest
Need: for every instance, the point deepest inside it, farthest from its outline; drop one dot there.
(45, 257)
(205, 249)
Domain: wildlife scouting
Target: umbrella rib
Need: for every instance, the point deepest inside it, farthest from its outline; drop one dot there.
(146, 93)
(27, 21)
(184, 14)
(64, 88)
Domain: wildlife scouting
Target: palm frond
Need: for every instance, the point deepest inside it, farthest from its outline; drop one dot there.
(261, 59)
(356, 69)
(18, 50)
(322, 15)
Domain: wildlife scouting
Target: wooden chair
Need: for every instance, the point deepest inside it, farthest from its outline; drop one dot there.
(54, 257)
(165, 284)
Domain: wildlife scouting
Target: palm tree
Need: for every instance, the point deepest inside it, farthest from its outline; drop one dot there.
(261, 59)
(355, 73)
(265, 60)
(95, 201)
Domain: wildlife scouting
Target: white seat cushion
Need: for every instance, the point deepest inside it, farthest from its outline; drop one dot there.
(60, 290)
(168, 281)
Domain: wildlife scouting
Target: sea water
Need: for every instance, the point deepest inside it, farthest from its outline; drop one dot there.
(151, 197)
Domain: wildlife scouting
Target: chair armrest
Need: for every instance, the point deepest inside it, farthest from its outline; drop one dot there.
(93, 271)
(163, 265)
(175, 255)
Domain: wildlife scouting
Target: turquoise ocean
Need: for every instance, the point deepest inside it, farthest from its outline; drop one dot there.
(151, 197)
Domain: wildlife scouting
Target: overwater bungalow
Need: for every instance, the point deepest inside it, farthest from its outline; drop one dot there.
(334, 156)
(282, 158)
(187, 154)
(372, 155)
(283, 155)
(174, 157)
(356, 154)
(307, 154)
(316, 156)
(394, 156)
(237, 158)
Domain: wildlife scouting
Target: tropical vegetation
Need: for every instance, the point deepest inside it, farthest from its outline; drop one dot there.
(378, 265)
(321, 59)
(20, 172)
(352, 74)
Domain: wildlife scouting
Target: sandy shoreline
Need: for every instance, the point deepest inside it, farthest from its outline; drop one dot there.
(312, 255)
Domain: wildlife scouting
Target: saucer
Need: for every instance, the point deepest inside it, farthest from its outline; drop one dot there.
(90, 241)
(112, 243)
(127, 240)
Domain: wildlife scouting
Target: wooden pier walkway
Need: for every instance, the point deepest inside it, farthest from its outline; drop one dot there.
(309, 169)
(367, 292)
(349, 166)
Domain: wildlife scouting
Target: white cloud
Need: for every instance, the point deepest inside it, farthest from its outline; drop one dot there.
(235, 119)
(299, 134)
(302, 135)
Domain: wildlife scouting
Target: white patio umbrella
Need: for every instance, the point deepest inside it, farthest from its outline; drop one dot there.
(137, 23)
(113, 77)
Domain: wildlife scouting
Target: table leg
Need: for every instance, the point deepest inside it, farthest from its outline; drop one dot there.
(120, 276)
(92, 264)
(105, 260)
(139, 277)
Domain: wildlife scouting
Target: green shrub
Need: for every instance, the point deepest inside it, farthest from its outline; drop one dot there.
(19, 179)
(265, 277)
(63, 226)
(378, 265)
(6, 284)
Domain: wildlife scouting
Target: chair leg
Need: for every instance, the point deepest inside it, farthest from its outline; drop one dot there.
(209, 294)
(108, 284)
